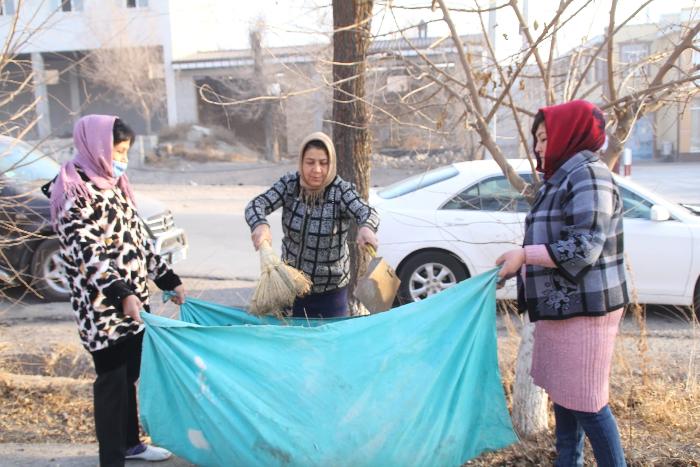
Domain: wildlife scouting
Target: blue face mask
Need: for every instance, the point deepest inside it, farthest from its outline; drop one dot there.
(118, 168)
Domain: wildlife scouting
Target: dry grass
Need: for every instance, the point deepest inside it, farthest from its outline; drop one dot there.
(36, 412)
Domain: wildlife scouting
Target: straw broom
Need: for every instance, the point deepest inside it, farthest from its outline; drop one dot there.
(278, 286)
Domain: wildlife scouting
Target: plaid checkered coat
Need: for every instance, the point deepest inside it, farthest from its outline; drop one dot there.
(577, 215)
(315, 240)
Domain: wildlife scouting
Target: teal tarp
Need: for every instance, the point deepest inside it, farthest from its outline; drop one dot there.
(415, 386)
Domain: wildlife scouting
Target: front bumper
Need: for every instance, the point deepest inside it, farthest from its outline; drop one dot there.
(172, 245)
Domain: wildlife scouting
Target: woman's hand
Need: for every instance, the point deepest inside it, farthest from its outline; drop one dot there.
(511, 261)
(366, 236)
(261, 233)
(179, 297)
(131, 307)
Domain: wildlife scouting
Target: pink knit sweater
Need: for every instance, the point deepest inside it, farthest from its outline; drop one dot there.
(571, 358)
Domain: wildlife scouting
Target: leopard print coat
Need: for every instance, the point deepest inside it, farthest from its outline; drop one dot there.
(108, 255)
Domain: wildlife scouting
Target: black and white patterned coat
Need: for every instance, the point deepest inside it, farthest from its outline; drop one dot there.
(315, 238)
(577, 215)
(108, 255)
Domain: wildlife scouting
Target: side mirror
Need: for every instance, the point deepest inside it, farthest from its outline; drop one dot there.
(659, 213)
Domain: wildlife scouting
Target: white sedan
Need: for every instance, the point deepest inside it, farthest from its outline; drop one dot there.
(450, 223)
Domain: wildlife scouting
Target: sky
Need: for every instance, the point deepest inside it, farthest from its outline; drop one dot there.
(224, 24)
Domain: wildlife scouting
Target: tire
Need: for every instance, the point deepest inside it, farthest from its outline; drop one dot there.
(428, 273)
(49, 278)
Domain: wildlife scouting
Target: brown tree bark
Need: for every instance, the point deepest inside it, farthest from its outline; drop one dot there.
(351, 38)
(351, 23)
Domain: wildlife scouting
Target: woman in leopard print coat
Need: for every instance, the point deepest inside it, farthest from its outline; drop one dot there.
(108, 259)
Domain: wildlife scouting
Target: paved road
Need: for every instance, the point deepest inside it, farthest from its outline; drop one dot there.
(220, 245)
(64, 455)
(680, 182)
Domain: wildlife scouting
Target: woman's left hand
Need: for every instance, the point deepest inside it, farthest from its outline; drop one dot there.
(365, 236)
(179, 297)
(511, 261)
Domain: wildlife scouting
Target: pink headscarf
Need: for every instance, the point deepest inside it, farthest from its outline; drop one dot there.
(93, 140)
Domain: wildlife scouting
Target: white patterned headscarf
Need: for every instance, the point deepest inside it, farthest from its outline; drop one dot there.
(312, 195)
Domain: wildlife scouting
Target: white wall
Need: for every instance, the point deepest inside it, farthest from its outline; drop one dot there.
(186, 93)
(42, 27)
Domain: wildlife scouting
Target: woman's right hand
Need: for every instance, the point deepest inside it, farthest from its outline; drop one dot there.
(261, 233)
(131, 306)
(511, 261)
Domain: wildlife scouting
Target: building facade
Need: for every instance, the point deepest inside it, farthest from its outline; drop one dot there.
(51, 42)
(216, 88)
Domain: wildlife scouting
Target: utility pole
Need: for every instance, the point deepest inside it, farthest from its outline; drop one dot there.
(272, 152)
(492, 39)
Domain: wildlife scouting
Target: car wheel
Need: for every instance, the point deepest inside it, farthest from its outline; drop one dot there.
(428, 273)
(48, 272)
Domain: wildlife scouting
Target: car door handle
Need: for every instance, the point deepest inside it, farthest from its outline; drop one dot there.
(456, 221)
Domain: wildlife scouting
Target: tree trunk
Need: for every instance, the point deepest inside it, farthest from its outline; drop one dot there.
(623, 129)
(351, 37)
(529, 401)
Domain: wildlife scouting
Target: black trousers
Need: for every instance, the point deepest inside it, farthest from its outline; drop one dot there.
(116, 419)
(333, 304)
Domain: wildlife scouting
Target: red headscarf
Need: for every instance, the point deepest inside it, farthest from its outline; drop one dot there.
(571, 128)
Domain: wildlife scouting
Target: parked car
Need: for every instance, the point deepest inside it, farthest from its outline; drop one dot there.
(29, 251)
(450, 223)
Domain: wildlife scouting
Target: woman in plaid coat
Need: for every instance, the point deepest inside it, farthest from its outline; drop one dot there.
(571, 279)
(317, 208)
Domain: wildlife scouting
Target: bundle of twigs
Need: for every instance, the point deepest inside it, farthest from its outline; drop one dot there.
(278, 286)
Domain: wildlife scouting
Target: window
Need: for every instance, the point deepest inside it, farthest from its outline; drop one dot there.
(695, 125)
(7, 7)
(136, 3)
(418, 181)
(634, 206)
(492, 194)
(631, 55)
(67, 5)
(601, 70)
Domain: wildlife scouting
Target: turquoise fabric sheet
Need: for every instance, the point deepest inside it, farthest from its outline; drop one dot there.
(415, 386)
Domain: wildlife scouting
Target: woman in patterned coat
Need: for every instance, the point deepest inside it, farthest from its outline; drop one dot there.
(109, 258)
(571, 279)
(317, 208)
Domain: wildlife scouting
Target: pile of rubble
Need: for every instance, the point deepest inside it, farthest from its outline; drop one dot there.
(202, 144)
(417, 160)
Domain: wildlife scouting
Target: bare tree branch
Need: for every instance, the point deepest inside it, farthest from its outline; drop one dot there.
(686, 43)
(472, 103)
(603, 44)
(611, 62)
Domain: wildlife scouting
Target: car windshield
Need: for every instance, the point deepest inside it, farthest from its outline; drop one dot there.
(25, 163)
(418, 181)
